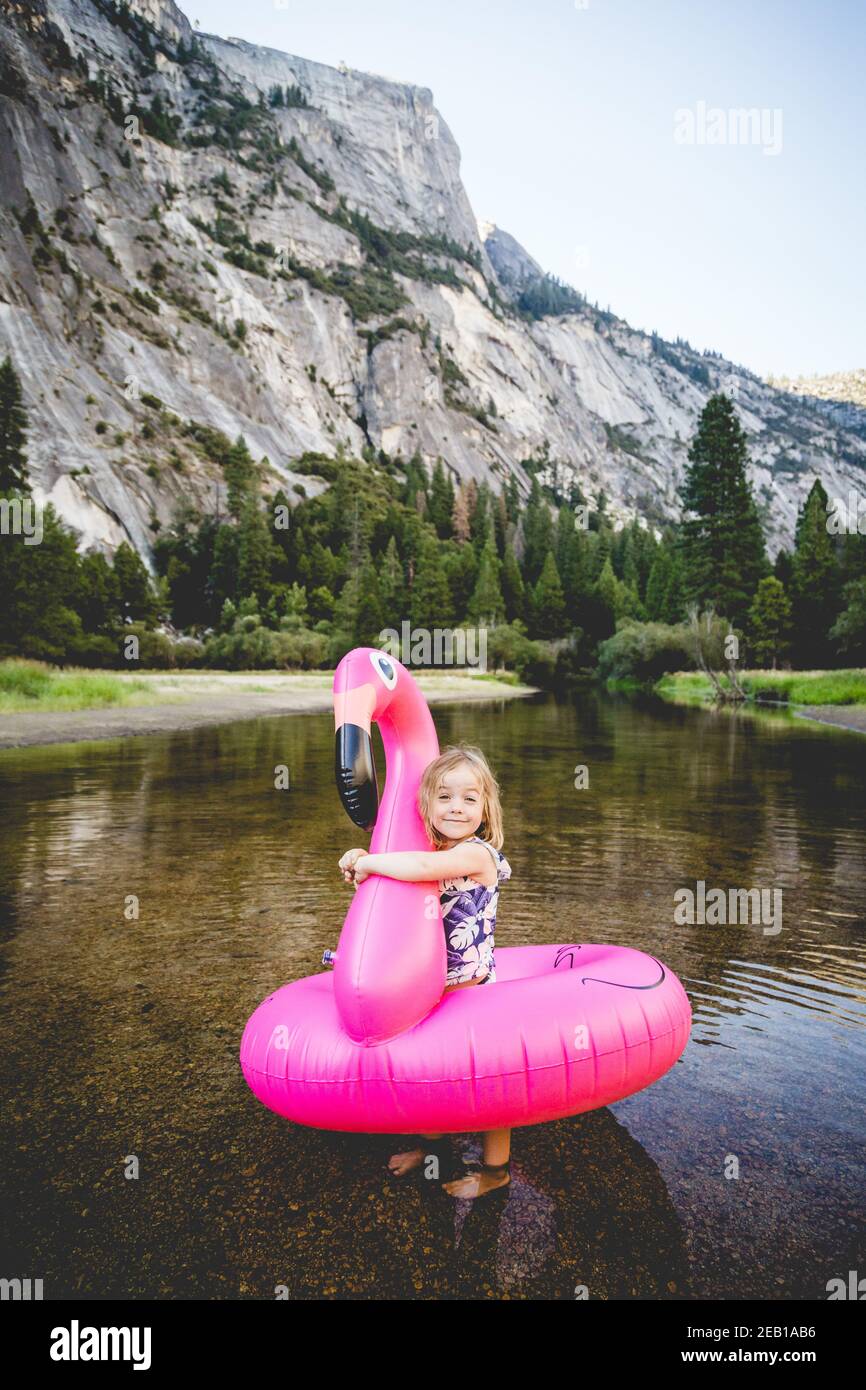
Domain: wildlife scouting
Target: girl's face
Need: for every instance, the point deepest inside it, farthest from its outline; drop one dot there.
(458, 805)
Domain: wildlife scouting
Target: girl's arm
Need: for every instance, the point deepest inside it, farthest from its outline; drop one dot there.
(421, 866)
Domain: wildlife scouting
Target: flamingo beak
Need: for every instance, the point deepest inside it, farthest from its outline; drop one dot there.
(354, 767)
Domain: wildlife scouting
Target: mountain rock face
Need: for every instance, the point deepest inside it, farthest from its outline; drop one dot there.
(843, 393)
(202, 235)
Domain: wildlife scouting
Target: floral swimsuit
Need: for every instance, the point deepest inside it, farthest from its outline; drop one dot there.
(469, 919)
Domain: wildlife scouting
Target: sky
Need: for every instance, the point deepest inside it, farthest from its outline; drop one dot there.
(598, 133)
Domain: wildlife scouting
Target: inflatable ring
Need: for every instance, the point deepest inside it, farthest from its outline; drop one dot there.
(376, 1047)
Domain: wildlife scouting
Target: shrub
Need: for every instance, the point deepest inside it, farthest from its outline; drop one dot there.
(643, 652)
(188, 652)
(248, 646)
(536, 663)
(155, 649)
(508, 645)
(538, 666)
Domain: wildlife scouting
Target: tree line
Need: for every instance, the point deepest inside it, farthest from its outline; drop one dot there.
(559, 588)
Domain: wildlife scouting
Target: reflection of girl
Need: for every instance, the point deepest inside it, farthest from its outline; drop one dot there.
(457, 798)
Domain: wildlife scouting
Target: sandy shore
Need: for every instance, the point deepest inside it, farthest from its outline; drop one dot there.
(195, 699)
(852, 717)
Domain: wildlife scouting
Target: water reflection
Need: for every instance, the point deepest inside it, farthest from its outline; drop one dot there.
(120, 1033)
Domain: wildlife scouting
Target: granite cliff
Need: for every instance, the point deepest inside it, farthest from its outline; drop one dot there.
(203, 235)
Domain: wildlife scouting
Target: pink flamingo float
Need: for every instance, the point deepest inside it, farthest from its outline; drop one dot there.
(376, 1047)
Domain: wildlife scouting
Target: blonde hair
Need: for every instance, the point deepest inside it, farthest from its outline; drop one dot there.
(490, 828)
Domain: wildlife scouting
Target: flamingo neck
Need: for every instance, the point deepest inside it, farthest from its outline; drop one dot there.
(410, 742)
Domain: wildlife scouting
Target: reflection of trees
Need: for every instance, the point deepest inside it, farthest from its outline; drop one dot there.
(675, 794)
(192, 824)
(123, 1033)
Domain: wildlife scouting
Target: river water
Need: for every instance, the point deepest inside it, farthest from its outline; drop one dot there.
(154, 890)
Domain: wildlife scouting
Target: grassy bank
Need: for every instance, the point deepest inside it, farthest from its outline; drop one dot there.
(784, 687)
(32, 686)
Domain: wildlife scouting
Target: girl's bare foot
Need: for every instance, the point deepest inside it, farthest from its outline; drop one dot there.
(404, 1162)
(482, 1179)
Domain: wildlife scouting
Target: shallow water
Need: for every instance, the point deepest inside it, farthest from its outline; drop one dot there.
(120, 1035)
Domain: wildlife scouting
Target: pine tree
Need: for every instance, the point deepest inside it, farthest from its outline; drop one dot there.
(675, 599)
(98, 602)
(608, 593)
(136, 597)
(569, 557)
(658, 585)
(645, 549)
(184, 558)
(411, 535)
(324, 568)
(460, 516)
(358, 614)
(537, 534)
(783, 569)
(13, 431)
(254, 552)
(369, 620)
(814, 582)
(223, 576)
(471, 493)
(285, 537)
(770, 622)
(441, 501)
(392, 586)
(322, 605)
(461, 564)
(608, 586)
(240, 475)
(481, 518)
(548, 604)
(39, 584)
(416, 483)
(628, 556)
(487, 606)
(513, 591)
(849, 630)
(722, 542)
(347, 608)
(501, 523)
(431, 595)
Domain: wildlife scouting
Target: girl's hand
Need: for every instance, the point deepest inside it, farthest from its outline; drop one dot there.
(347, 865)
(359, 873)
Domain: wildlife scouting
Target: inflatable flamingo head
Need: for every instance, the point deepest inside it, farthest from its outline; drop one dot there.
(365, 683)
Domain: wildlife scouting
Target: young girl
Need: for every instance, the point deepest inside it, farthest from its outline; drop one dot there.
(459, 803)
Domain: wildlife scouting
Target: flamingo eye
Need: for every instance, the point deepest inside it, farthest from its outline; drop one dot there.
(384, 668)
